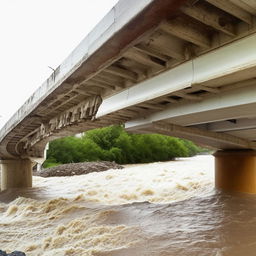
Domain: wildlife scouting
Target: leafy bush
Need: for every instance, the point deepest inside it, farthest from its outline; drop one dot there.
(50, 163)
(115, 144)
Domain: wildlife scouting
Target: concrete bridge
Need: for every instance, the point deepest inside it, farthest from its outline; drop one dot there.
(184, 68)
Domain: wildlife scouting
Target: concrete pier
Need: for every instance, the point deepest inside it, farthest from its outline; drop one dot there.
(235, 171)
(16, 173)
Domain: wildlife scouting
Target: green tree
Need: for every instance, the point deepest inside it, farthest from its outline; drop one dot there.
(115, 144)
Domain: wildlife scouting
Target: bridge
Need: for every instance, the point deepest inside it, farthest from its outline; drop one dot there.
(184, 68)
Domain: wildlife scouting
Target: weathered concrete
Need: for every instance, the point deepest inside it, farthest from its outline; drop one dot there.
(98, 50)
(236, 171)
(119, 16)
(210, 68)
(16, 173)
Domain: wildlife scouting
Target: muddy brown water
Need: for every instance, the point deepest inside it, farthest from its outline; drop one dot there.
(160, 209)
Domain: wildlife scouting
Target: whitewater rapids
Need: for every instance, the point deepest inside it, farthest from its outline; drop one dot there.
(158, 209)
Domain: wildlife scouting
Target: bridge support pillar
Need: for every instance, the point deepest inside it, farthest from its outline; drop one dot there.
(16, 173)
(235, 171)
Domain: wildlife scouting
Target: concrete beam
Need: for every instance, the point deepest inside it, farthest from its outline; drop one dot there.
(249, 6)
(200, 134)
(186, 32)
(211, 18)
(229, 125)
(219, 66)
(236, 104)
(233, 9)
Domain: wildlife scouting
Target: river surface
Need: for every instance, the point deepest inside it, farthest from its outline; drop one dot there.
(159, 209)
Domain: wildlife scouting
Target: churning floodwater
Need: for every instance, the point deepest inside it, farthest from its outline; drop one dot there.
(159, 209)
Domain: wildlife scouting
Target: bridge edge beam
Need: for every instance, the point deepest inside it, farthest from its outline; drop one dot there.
(16, 173)
(235, 171)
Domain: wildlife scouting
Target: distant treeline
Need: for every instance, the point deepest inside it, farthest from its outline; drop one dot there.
(115, 144)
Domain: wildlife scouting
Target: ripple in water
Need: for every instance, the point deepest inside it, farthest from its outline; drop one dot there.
(156, 209)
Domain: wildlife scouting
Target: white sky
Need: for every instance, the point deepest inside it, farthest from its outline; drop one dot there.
(36, 34)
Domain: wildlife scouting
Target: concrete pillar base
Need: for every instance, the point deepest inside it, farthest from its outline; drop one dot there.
(235, 171)
(16, 173)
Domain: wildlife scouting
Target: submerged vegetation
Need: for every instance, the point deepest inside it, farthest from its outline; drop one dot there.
(115, 144)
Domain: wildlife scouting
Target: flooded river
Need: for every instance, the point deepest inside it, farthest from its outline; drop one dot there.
(159, 209)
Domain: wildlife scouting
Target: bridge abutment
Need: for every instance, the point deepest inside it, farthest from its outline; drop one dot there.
(235, 171)
(16, 173)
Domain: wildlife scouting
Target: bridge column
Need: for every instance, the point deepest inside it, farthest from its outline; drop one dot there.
(16, 173)
(236, 171)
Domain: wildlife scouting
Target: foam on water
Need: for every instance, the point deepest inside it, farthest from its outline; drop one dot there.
(158, 182)
(157, 209)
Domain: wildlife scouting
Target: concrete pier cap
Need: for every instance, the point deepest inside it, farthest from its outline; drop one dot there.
(16, 173)
(235, 171)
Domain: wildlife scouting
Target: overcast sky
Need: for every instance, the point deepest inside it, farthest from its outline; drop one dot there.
(36, 34)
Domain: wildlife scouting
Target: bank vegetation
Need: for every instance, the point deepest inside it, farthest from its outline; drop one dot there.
(115, 144)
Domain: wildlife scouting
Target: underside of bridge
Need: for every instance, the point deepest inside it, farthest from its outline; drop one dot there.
(181, 68)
